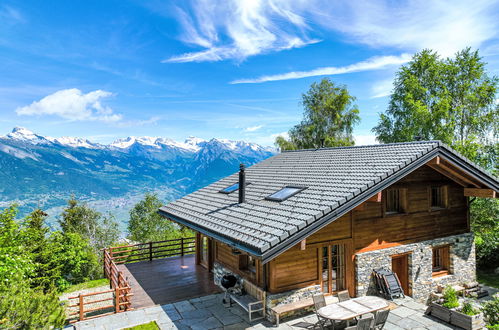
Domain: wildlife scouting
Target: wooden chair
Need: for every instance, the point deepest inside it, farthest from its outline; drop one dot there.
(319, 302)
(343, 296)
(362, 324)
(380, 318)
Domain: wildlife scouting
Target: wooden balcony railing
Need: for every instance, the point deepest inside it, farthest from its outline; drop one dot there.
(118, 298)
(153, 250)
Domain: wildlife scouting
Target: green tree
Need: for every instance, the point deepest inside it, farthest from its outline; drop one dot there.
(37, 245)
(74, 258)
(452, 100)
(15, 264)
(22, 307)
(146, 225)
(328, 120)
(101, 231)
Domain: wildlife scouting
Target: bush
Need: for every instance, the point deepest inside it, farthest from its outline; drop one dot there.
(469, 309)
(450, 298)
(490, 310)
(22, 307)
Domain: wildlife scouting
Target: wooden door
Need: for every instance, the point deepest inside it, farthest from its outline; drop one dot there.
(400, 266)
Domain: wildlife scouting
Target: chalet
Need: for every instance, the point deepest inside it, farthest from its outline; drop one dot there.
(321, 220)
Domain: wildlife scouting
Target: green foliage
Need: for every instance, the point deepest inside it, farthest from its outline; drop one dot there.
(328, 120)
(101, 231)
(14, 265)
(450, 298)
(488, 277)
(469, 309)
(74, 259)
(452, 100)
(490, 310)
(484, 223)
(146, 225)
(22, 307)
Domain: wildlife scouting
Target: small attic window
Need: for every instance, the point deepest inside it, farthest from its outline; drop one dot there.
(285, 193)
(231, 188)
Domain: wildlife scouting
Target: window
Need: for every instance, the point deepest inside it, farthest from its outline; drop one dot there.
(247, 263)
(285, 193)
(440, 261)
(333, 268)
(231, 188)
(395, 201)
(438, 197)
(392, 201)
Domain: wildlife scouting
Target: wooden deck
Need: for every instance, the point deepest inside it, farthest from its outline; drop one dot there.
(168, 280)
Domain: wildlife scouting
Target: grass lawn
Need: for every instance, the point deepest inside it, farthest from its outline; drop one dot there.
(87, 285)
(146, 326)
(488, 278)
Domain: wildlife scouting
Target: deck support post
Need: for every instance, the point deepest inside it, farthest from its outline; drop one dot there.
(150, 251)
(181, 246)
(117, 298)
(80, 306)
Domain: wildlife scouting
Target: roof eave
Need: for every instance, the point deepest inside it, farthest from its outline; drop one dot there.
(210, 233)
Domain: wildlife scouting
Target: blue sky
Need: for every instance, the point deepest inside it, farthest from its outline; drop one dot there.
(226, 69)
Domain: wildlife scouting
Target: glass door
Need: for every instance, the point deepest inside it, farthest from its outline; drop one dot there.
(204, 251)
(333, 268)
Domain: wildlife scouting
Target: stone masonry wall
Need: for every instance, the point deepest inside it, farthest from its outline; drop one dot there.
(462, 265)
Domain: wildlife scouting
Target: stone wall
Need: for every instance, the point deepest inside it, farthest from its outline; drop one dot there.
(462, 265)
(290, 297)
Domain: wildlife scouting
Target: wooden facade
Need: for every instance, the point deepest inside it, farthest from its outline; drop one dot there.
(328, 255)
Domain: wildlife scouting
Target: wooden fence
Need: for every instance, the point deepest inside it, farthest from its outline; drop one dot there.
(96, 304)
(118, 298)
(153, 250)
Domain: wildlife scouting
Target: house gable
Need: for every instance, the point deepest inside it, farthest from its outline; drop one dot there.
(338, 181)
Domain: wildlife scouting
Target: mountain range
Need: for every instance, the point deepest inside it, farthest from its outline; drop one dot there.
(43, 171)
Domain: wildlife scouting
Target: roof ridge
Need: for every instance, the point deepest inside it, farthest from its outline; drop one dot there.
(439, 143)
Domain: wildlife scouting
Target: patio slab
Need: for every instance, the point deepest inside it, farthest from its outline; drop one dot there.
(209, 313)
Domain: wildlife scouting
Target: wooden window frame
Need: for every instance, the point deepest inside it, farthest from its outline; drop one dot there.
(341, 256)
(444, 197)
(402, 202)
(442, 255)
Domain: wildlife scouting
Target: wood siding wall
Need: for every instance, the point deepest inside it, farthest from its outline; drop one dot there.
(223, 255)
(369, 228)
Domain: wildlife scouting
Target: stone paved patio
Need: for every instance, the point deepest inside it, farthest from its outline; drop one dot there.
(209, 313)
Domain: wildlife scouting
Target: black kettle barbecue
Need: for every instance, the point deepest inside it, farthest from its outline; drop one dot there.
(228, 281)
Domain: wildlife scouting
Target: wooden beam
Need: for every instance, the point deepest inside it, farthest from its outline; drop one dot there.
(447, 168)
(449, 175)
(434, 161)
(376, 198)
(303, 244)
(474, 192)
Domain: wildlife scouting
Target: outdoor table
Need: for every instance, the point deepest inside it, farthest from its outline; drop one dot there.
(347, 310)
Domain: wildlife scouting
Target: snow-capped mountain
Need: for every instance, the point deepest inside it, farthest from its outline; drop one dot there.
(34, 165)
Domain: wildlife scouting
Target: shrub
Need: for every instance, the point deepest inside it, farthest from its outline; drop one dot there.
(469, 309)
(491, 312)
(450, 298)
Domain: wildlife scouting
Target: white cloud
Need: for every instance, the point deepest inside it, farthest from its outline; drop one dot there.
(232, 29)
(444, 26)
(373, 63)
(253, 128)
(363, 140)
(382, 88)
(74, 105)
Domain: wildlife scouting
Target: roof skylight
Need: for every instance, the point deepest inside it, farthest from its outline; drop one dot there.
(285, 193)
(231, 188)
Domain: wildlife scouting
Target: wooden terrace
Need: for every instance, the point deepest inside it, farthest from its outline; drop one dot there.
(168, 280)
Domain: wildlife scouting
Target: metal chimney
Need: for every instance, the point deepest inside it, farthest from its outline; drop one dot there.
(242, 184)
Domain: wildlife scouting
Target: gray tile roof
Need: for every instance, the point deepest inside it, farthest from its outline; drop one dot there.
(335, 177)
